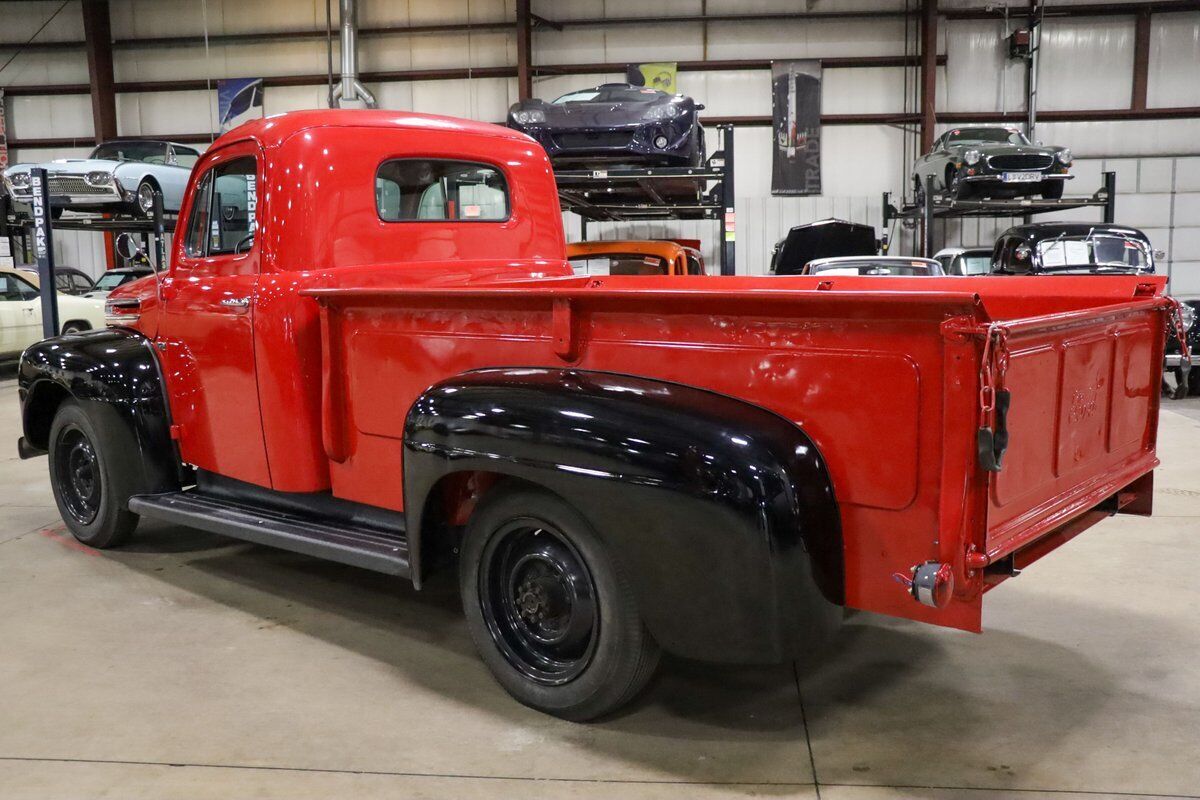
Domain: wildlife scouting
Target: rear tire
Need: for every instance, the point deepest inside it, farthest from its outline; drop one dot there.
(551, 613)
(75, 326)
(93, 461)
(1052, 190)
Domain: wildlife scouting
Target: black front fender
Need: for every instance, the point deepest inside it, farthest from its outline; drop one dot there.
(722, 512)
(115, 366)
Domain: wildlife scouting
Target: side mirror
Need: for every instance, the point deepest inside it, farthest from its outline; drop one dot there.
(1159, 255)
(1039, 143)
(699, 106)
(128, 248)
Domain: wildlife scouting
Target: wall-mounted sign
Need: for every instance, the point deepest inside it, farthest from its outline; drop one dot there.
(796, 111)
(239, 100)
(657, 75)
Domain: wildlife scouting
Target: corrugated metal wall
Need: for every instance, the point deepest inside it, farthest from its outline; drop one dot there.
(1087, 64)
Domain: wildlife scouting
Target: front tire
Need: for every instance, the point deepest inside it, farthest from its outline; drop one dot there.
(92, 462)
(550, 611)
(145, 198)
(1052, 190)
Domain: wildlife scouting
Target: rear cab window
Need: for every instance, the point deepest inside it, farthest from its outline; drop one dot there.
(440, 190)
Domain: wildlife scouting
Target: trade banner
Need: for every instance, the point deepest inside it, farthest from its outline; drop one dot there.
(3, 135)
(658, 75)
(239, 100)
(796, 114)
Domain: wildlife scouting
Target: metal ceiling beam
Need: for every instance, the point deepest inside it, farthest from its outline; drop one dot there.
(1141, 62)
(98, 35)
(524, 50)
(929, 38)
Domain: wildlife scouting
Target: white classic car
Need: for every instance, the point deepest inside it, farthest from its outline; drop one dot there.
(118, 177)
(21, 312)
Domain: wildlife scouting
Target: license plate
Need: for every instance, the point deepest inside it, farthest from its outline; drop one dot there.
(1022, 177)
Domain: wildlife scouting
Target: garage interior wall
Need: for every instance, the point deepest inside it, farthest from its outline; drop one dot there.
(1087, 63)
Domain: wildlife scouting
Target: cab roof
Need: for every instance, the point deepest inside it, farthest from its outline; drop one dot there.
(275, 129)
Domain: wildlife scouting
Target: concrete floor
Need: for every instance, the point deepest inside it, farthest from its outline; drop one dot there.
(188, 665)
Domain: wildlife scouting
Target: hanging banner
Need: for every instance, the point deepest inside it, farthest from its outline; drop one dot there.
(239, 100)
(796, 111)
(3, 135)
(658, 75)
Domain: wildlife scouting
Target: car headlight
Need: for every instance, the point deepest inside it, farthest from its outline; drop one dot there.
(669, 111)
(1064, 155)
(527, 117)
(972, 156)
(98, 178)
(1189, 315)
(19, 180)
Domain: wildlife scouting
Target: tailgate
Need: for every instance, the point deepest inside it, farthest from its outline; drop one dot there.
(1084, 388)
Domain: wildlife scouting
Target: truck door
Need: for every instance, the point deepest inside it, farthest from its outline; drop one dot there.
(206, 329)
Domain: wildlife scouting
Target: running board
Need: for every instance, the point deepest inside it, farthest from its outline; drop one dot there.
(335, 541)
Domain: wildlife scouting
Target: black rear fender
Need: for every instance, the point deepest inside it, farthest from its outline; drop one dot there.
(722, 513)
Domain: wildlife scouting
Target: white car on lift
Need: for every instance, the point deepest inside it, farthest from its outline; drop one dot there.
(120, 176)
(965, 260)
(21, 312)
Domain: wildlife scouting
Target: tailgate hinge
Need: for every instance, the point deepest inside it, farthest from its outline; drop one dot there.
(994, 399)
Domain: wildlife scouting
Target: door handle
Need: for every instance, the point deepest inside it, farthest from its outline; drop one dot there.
(236, 302)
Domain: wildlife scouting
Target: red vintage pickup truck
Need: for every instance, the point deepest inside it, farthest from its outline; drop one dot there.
(369, 348)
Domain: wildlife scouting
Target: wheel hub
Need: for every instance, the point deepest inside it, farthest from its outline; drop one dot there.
(77, 475)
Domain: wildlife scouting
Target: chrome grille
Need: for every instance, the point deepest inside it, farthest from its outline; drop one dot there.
(75, 185)
(1018, 162)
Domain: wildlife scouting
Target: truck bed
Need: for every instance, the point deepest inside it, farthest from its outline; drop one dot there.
(884, 375)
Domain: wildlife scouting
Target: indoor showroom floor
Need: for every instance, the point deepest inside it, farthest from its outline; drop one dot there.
(186, 665)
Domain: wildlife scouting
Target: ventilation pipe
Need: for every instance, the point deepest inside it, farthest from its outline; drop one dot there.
(350, 93)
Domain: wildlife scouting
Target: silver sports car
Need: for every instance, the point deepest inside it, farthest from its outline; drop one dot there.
(118, 177)
(993, 161)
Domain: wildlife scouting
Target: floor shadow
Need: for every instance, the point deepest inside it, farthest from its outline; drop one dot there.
(423, 636)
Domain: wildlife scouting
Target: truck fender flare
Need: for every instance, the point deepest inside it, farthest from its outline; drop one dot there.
(723, 513)
(115, 366)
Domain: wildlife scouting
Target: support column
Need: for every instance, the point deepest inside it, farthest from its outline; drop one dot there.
(929, 21)
(1141, 61)
(98, 42)
(524, 50)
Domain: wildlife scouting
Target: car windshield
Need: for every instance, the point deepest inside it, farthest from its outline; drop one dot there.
(111, 280)
(1098, 253)
(619, 264)
(990, 135)
(973, 264)
(610, 94)
(869, 267)
(150, 152)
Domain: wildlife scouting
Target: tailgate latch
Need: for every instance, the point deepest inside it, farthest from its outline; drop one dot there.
(994, 400)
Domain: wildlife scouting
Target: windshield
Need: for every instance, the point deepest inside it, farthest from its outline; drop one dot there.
(1098, 253)
(619, 264)
(150, 152)
(994, 135)
(111, 280)
(972, 264)
(610, 94)
(867, 267)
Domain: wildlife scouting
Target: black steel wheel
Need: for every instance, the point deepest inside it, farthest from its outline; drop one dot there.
(539, 601)
(92, 463)
(549, 609)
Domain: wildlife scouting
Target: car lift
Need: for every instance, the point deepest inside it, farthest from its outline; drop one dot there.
(40, 229)
(942, 206)
(624, 194)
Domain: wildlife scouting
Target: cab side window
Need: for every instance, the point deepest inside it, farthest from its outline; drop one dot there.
(223, 212)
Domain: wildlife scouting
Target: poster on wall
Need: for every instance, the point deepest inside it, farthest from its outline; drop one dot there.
(239, 100)
(658, 75)
(796, 117)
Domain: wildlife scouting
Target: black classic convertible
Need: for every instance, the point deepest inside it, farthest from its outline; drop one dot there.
(615, 123)
(992, 161)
